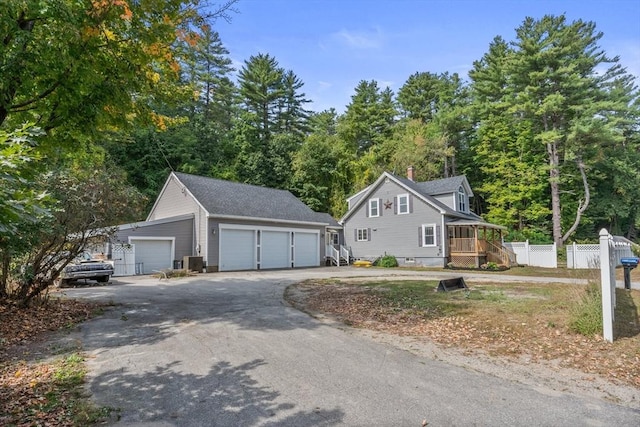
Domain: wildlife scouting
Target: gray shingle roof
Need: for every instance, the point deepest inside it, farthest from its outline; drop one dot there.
(441, 186)
(229, 198)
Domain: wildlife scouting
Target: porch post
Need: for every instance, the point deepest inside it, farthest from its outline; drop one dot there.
(477, 246)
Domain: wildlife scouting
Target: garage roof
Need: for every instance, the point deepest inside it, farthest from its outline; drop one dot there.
(227, 198)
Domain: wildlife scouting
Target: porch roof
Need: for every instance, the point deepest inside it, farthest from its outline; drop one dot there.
(475, 223)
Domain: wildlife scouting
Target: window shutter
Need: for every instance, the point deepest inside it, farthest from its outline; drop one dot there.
(368, 234)
(355, 234)
(367, 209)
(438, 231)
(380, 207)
(420, 242)
(410, 203)
(395, 205)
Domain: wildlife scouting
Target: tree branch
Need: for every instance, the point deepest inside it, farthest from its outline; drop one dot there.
(582, 206)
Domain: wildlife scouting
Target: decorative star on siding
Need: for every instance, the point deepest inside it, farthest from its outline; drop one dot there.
(388, 204)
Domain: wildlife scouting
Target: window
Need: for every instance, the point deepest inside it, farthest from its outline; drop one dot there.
(374, 207)
(429, 235)
(403, 204)
(462, 200)
(335, 239)
(362, 234)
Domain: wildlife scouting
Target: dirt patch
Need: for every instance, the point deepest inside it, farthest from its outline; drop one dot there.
(535, 350)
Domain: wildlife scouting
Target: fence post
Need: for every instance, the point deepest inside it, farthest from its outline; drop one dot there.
(526, 249)
(605, 282)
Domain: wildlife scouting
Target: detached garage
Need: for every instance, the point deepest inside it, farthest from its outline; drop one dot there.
(232, 226)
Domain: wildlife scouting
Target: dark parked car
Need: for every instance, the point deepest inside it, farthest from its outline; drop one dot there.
(86, 267)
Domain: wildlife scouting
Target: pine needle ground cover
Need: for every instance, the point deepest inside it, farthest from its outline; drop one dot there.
(41, 385)
(531, 322)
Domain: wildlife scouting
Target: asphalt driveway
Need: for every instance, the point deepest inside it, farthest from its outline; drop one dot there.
(226, 350)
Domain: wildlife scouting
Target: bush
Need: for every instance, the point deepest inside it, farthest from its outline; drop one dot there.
(387, 261)
(585, 316)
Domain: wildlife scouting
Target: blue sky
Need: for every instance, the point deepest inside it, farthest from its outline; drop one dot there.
(333, 44)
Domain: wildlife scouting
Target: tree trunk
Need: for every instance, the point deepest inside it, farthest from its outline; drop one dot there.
(554, 183)
(582, 206)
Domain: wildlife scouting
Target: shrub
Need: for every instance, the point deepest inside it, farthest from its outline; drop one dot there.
(585, 316)
(387, 261)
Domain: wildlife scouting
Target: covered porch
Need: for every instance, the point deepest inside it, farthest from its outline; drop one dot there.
(474, 243)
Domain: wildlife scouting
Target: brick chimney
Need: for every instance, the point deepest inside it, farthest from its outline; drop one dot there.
(411, 173)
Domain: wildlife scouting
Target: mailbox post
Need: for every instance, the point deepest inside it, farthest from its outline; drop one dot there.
(628, 264)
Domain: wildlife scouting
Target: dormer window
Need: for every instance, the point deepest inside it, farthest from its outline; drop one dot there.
(462, 200)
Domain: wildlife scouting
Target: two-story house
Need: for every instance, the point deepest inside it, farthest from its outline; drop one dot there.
(421, 223)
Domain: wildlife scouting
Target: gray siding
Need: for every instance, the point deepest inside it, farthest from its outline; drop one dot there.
(213, 246)
(173, 201)
(181, 230)
(395, 234)
(449, 200)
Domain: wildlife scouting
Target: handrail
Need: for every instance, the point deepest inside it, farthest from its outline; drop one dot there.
(345, 254)
(506, 256)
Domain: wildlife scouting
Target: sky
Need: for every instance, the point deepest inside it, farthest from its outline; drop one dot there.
(331, 45)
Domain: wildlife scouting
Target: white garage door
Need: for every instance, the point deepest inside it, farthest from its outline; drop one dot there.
(155, 255)
(276, 249)
(237, 250)
(307, 250)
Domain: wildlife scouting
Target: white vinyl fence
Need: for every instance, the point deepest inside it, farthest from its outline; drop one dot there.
(534, 255)
(588, 256)
(124, 259)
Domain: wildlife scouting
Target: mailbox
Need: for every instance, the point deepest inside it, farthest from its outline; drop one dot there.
(628, 264)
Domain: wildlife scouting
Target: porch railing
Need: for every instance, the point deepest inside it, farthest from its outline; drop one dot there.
(482, 247)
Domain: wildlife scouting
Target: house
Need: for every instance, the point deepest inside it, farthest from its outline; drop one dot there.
(421, 223)
(232, 226)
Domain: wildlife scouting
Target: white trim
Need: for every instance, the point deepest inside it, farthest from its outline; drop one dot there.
(185, 190)
(375, 201)
(366, 234)
(265, 227)
(424, 244)
(398, 203)
(134, 225)
(252, 218)
(357, 194)
(444, 235)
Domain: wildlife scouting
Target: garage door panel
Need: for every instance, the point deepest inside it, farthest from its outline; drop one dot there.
(275, 249)
(154, 255)
(237, 250)
(307, 250)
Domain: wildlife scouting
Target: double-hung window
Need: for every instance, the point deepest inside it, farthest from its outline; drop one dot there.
(374, 207)
(429, 235)
(362, 234)
(403, 204)
(462, 200)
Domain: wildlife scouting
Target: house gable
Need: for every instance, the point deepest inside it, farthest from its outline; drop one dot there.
(175, 199)
(404, 187)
